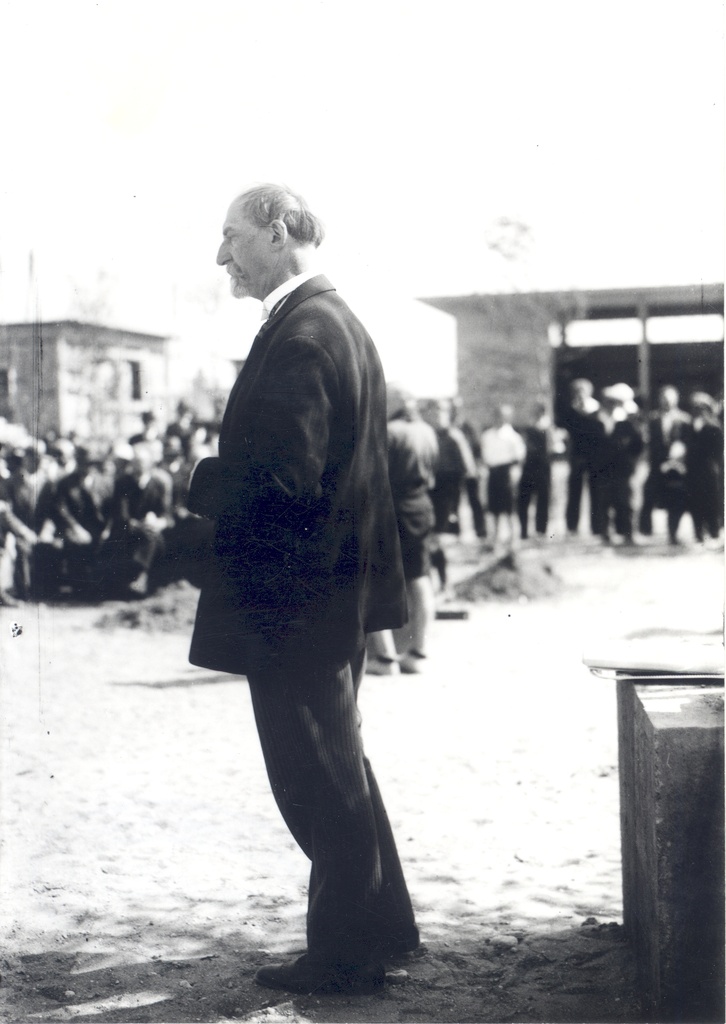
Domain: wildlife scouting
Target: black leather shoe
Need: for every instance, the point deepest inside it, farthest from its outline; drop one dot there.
(307, 977)
(399, 945)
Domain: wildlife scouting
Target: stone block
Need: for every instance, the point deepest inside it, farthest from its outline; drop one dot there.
(671, 752)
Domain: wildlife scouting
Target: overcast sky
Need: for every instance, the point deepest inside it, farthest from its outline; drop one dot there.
(413, 128)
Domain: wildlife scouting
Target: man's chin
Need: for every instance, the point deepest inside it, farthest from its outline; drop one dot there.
(238, 289)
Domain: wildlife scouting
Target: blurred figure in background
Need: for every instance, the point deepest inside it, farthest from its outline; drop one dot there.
(578, 417)
(536, 479)
(17, 529)
(503, 452)
(187, 538)
(182, 427)
(77, 516)
(412, 455)
(140, 511)
(704, 468)
(451, 470)
(25, 493)
(470, 447)
(618, 447)
(665, 486)
(150, 435)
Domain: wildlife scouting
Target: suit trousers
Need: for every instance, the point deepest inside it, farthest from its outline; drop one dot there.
(309, 728)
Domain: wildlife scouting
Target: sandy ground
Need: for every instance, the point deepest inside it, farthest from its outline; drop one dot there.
(146, 873)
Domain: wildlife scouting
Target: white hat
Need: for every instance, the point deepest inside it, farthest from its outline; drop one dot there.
(623, 394)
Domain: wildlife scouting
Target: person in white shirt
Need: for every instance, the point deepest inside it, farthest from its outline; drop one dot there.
(503, 451)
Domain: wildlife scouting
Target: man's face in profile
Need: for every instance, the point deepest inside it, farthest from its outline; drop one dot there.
(246, 253)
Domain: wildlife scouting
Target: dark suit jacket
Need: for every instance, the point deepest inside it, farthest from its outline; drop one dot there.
(658, 445)
(306, 552)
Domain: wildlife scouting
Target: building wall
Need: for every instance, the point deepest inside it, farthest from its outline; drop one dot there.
(91, 380)
(29, 357)
(503, 357)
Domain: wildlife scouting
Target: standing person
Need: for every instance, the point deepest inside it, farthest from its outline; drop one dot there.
(579, 418)
(306, 561)
(665, 486)
(413, 451)
(451, 470)
(412, 455)
(466, 437)
(503, 452)
(536, 479)
(617, 451)
(704, 467)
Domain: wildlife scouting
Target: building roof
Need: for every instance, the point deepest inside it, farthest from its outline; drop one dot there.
(598, 304)
(84, 327)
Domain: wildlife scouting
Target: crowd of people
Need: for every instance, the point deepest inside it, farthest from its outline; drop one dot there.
(104, 523)
(683, 449)
(313, 520)
(505, 473)
(438, 464)
(100, 522)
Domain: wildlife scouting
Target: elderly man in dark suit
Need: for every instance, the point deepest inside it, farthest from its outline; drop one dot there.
(306, 561)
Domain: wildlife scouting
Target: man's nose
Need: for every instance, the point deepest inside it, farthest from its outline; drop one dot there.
(223, 255)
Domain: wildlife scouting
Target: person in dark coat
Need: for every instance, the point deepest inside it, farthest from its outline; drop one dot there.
(536, 480)
(616, 454)
(79, 523)
(579, 418)
(306, 562)
(140, 511)
(704, 468)
(451, 469)
(665, 487)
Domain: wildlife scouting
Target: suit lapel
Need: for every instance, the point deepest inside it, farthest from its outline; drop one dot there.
(314, 286)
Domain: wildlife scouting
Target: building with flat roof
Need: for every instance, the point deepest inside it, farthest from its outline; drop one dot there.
(522, 347)
(68, 377)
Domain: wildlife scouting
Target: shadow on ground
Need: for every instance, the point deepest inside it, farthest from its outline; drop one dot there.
(573, 975)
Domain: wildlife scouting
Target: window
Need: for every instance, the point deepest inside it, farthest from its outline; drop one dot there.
(4, 392)
(135, 379)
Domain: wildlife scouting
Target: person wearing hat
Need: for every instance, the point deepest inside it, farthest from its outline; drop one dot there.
(616, 452)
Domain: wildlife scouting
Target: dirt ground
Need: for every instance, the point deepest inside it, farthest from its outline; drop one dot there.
(146, 873)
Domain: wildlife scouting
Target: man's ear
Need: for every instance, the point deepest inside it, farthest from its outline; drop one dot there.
(279, 233)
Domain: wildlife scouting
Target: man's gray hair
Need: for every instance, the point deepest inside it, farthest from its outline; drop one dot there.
(265, 203)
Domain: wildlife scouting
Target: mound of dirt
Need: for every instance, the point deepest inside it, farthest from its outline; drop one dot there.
(171, 610)
(511, 578)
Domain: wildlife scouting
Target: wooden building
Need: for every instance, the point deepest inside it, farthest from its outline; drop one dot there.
(68, 377)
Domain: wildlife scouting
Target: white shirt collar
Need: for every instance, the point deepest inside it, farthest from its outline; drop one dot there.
(284, 290)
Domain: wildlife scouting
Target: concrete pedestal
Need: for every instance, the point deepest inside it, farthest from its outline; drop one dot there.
(671, 751)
